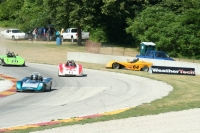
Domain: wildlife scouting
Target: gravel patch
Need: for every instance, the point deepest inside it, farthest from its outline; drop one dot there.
(186, 121)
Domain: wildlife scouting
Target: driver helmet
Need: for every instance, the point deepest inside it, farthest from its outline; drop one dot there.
(70, 63)
(35, 77)
(9, 54)
(13, 54)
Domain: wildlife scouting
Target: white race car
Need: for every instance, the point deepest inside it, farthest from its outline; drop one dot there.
(70, 68)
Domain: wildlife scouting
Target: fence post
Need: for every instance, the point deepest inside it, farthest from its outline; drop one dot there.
(124, 51)
(99, 47)
(112, 49)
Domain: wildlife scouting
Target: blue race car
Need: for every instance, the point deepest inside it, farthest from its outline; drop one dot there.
(34, 83)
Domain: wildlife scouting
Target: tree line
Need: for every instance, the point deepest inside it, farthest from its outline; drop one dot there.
(174, 25)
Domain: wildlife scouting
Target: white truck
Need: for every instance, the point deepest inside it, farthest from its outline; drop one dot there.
(13, 34)
(71, 34)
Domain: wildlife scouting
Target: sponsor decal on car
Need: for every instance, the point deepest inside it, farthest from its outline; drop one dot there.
(30, 85)
(173, 70)
(14, 61)
(135, 67)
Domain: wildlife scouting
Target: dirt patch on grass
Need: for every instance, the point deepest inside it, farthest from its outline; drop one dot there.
(41, 52)
(49, 52)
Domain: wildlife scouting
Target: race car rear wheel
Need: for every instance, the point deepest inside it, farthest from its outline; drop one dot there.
(50, 87)
(145, 68)
(24, 64)
(45, 88)
(2, 62)
(115, 65)
(59, 74)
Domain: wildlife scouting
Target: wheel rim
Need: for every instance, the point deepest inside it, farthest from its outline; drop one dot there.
(146, 68)
(115, 66)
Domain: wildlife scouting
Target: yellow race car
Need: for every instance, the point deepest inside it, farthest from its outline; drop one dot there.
(130, 65)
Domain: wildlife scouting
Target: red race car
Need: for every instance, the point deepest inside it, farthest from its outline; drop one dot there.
(70, 68)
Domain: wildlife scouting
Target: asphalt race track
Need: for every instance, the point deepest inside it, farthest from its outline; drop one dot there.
(96, 92)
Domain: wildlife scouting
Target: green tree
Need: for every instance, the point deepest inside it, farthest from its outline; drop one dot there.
(9, 9)
(190, 20)
(57, 12)
(116, 13)
(70, 13)
(81, 14)
(174, 30)
(32, 14)
(151, 25)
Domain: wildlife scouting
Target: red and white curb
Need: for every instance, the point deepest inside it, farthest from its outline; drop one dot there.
(61, 121)
(11, 90)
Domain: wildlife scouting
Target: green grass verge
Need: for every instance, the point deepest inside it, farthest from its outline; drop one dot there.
(185, 94)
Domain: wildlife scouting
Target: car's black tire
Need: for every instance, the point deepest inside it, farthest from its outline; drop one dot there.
(45, 89)
(50, 88)
(145, 68)
(59, 74)
(115, 65)
(2, 62)
(72, 39)
(24, 64)
(13, 38)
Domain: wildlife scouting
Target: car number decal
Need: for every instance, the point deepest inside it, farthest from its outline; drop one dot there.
(15, 61)
(135, 67)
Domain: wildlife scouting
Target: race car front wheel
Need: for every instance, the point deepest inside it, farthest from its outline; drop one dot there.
(115, 65)
(24, 64)
(2, 62)
(145, 68)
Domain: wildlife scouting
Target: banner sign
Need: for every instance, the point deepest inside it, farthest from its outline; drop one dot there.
(173, 70)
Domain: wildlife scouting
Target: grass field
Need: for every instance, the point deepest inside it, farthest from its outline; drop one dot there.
(185, 94)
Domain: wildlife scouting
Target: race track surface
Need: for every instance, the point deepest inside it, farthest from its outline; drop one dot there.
(96, 92)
